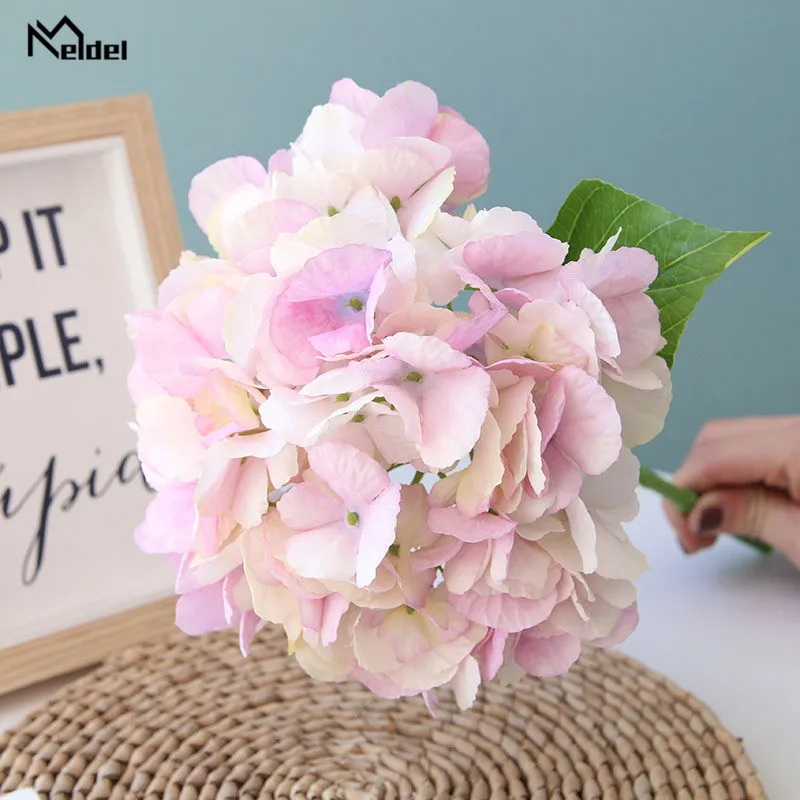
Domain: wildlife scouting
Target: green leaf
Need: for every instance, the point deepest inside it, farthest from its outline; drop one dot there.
(690, 256)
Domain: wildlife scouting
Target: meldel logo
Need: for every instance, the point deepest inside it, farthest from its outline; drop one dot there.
(72, 45)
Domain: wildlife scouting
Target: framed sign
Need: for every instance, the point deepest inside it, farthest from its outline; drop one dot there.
(87, 230)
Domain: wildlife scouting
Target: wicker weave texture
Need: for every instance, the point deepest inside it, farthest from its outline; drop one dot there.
(189, 719)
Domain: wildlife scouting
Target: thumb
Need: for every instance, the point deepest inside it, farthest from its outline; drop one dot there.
(753, 511)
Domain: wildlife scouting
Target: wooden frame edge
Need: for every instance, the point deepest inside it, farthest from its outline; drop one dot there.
(132, 118)
(83, 645)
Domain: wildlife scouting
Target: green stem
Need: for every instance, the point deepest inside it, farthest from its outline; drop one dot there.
(418, 476)
(685, 500)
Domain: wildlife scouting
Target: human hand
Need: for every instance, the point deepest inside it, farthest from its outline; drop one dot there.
(747, 473)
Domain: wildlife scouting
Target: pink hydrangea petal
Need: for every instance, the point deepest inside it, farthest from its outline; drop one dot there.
(346, 92)
(194, 275)
(551, 409)
(625, 626)
(523, 367)
(602, 322)
(617, 558)
(514, 255)
(559, 334)
(335, 607)
(326, 553)
(425, 353)
(539, 286)
(469, 155)
(217, 484)
(306, 506)
(377, 523)
(291, 326)
(330, 131)
(214, 183)
(283, 466)
(256, 445)
(513, 299)
(206, 315)
(547, 657)
(212, 567)
(201, 611)
(564, 480)
(162, 345)
(396, 171)
(437, 155)
(140, 385)
(480, 528)
(353, 475)
(643, 412)
(338, 272)
(435, 555)
(482, 321)
(534, 466)
(337, 421)
(246, 315)
(589, 431)
(207, 535)
(258, 228)
(530, 572)
(420, 209)
(453, 409)
(185, 581)
(431, 702)
(637, 321)
(512, 614)
(491, 653)
(280, 161)
(355, 376)
(513, 402)
(376, 291)
(485, 473)
(615, 489)
(229, 586)
(380, 685)
(407, 408)
(618, 593)
(466, 683)
(409, 109)
(617, 272)
(292, 416)
(466, 567)
(169, 443)
(311, 613)
(501, 557)
(250, 499)
(583, 533)
(347, 339)
(169, 521)
(248, 627)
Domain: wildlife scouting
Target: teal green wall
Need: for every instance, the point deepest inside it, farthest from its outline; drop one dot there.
(691, 103)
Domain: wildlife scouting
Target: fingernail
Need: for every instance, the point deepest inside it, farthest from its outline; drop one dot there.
(709, 521)
(683, 547)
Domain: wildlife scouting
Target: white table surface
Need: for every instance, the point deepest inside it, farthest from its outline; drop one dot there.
(724, 625)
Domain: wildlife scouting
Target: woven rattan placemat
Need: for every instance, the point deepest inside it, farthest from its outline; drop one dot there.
(189, 718)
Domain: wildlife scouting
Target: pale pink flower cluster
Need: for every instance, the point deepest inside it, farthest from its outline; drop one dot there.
(420, 496)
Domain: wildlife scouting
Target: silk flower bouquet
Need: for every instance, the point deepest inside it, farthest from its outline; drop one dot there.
(421, 494)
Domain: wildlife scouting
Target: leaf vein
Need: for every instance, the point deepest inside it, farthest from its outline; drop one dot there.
(703, 246)
(580, 211)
